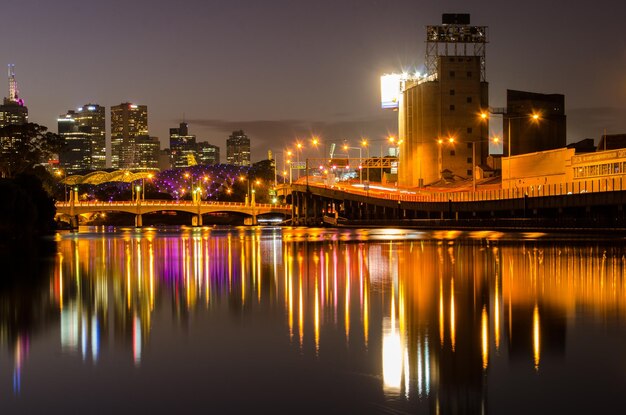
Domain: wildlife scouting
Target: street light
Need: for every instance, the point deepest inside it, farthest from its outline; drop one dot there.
(495, 140)
(533, 117)
(346, 148)
(61, 173)
(298, 150)
(364, 143)
(187, 176)
(247, 179)
(440, 142)
(143, 185)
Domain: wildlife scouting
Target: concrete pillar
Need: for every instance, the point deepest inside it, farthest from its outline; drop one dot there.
(138, 221)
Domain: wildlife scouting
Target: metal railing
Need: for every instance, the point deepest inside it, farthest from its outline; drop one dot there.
(555, 189)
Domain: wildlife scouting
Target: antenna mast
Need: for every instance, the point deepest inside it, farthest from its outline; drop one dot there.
(12, 84)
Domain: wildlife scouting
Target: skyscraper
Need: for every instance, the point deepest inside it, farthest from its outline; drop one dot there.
(90, 120)
(76, 153)
(438, 117)
(182, 146)
(238, 149)
(207, 153)
(84, 131)
(128, 122)
(13, 111)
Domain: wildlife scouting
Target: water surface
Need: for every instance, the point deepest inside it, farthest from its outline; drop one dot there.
(301, 320)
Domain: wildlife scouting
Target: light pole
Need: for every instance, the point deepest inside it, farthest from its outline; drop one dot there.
(495, 140)
(61, 173)
(440, 142)
(191, 190)
(247, 179)
(533, 117)
(364, 143)
(285, 163)
(298, 149)
(346, 148)
(143, 185)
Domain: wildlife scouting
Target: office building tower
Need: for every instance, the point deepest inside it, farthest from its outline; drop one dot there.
(438, 112)
(84, 133)
(90, 120)
(529, 135)
(182, 146)
(13, 111)
(75, 155)
(238, 149)
(207, 153)
(128, 122)
(147, 150)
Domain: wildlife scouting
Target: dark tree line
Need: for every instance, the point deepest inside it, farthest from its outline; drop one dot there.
(26, 204)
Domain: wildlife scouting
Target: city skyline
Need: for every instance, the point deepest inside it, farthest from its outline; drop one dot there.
(290, 70)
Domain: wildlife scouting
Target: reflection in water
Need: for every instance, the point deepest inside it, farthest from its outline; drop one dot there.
(428, 315)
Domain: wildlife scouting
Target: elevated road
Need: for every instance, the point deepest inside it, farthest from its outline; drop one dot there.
(596, 202)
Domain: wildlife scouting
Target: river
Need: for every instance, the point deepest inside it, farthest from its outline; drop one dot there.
(305, 320)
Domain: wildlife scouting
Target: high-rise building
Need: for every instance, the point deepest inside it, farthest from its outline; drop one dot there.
(128, 122)
(438, 112)
(13, 111)
(182, 146)
(528, 135)
(84, 131)
(146, 153)
(207, 153)
(76, 152)
(238, 149)
(90, 120)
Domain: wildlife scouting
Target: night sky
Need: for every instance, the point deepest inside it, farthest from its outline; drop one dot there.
(286, 69)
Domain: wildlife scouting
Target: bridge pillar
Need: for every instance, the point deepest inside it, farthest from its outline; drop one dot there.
(294, 208)
(199, 219)
(138, 221)
(74, 221)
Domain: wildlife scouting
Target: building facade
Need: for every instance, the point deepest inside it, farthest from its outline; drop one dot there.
(238, 149)
(528, 135)
(84, 133)
(182, 146)
(128, 123)
(207, 153)
(13, 111)
(75, 155)
(443, 136)
(90, 120)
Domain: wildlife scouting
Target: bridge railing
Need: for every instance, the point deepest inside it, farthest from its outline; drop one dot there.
(554, 189)
(169, 203)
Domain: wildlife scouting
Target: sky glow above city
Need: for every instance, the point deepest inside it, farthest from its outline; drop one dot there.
(282, 70)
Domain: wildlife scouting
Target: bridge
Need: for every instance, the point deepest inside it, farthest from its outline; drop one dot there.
(139, 207)
(598, 202)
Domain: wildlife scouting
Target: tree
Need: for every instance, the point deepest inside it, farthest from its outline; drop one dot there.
(24, 146)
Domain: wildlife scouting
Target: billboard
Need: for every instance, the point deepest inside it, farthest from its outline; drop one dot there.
(390, 90)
